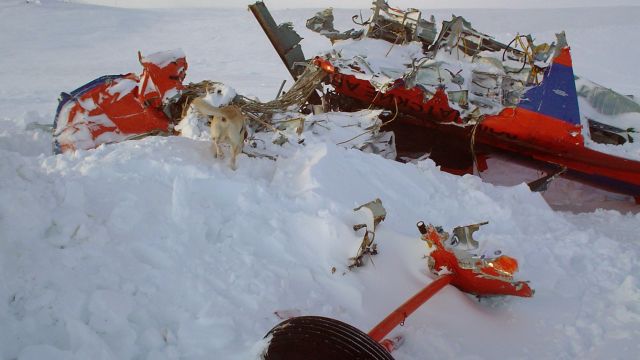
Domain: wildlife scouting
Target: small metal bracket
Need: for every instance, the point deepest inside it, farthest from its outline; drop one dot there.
(463, 236)
(378, 211)
(367, 246)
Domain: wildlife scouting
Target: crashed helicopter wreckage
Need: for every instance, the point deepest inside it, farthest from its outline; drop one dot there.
(462, 96)
(115, 108)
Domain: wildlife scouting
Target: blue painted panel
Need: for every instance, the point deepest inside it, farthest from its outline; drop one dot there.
(556, 96)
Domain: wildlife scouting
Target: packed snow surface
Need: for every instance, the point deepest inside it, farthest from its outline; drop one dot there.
(153, 249)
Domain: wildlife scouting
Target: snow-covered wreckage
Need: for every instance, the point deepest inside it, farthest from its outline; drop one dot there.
(460, 96)
(451, 93)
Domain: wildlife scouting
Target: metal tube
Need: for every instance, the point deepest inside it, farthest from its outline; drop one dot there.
(281, 87)
(401, 313)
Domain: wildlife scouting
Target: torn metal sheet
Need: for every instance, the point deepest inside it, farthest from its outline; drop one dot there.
(371, 139)
(375, 215)
(322, 23)
(283, 38)
(494, 75)
(383, 144)
(605, 100)
(612, 118)
(607, 134)
(463, 236)
(378, 212)
(459, 34)
(398, 26)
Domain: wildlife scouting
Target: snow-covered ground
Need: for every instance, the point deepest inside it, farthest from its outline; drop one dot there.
(154, 250)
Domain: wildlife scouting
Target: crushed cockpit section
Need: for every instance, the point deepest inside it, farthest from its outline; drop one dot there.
(479, 74)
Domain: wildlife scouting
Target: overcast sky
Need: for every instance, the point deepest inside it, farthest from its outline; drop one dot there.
(365, 4)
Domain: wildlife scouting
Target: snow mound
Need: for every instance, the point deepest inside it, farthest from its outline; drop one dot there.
(153, 248)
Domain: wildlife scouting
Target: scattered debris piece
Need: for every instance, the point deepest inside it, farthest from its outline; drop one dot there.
(322, 23)
(376, 214)
(400, 26)
(463, 236)
(477, 270)
(113, 108)
(325, 338)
